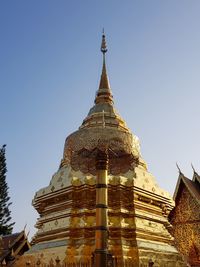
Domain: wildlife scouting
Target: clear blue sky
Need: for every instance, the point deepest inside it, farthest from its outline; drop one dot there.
(50, 67)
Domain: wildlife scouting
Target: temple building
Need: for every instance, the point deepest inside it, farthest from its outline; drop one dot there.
(12, 247)
(103, 204)
(185, 218)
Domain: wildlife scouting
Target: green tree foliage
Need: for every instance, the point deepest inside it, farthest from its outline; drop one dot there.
(5, 214)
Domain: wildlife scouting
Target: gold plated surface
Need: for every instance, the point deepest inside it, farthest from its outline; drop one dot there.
(81, 146)
(137, 207)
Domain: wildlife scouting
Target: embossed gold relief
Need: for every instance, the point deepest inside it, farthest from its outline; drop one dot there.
(125, 205)
(80, 149)
(124, 224)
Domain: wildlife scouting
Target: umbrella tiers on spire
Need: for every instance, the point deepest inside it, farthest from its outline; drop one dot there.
(103, 129)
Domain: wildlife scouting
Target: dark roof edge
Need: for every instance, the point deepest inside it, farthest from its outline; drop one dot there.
(188, 183)
(196, 177)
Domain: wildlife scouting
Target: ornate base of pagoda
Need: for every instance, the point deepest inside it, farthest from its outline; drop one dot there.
(153, 254)
(137, 222)
(144, 254)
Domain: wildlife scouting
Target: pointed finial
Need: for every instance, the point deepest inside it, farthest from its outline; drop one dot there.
(103, 43)
(178, 168)
(193, 168)
(104, 94)
(25, 226)
(27, 234)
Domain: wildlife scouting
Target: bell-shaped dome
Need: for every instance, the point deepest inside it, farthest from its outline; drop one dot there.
(103, 129)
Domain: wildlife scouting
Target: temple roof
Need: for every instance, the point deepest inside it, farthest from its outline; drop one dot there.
(9, 240)
(11, 245)
(193, 186)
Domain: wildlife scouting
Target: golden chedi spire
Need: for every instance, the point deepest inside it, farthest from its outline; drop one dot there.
(104, 92)
(102, 129)
(103, 113)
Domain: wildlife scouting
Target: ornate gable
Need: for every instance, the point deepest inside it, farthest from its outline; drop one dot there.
(185, 219)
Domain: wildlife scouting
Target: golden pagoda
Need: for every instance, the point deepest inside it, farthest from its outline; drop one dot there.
(102, 207)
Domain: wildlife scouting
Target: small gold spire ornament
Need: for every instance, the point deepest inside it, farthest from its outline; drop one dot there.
(104, 82)
(103, 44)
